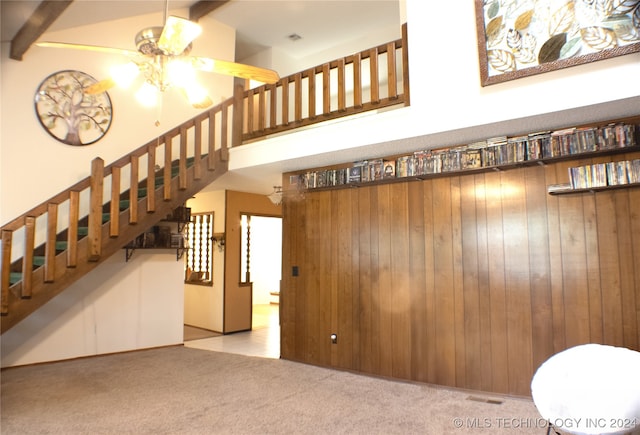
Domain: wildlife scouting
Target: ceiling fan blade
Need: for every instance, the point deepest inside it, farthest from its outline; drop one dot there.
(100, 87)
(108, 50)
(177, 34)
(236, 69)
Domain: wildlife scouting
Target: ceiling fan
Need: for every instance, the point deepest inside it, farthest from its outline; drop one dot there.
(162, 57)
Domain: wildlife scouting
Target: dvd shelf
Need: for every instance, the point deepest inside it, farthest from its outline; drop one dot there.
(495, 153)
(163, 236)
(600, 176)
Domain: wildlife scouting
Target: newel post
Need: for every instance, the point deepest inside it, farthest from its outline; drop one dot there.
(95, 210)
(238, 116)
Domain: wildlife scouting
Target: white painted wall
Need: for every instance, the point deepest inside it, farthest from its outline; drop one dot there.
(266, 257)
(120, 306)
(204, 305)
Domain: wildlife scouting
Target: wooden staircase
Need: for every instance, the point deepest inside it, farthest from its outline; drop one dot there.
(46, 260)
(39, 260)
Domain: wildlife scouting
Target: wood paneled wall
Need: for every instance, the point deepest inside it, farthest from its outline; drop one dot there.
(469, 281)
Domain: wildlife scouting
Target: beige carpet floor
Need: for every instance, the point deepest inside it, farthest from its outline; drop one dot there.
(177, 390)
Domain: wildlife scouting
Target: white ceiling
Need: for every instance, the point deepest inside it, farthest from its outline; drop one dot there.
(259, 24)
(322, 24)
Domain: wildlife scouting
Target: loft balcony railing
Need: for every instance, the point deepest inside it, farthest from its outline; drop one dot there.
(369, 80)
(52, 245)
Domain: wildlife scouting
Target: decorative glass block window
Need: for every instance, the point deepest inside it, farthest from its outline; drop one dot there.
(199, 258)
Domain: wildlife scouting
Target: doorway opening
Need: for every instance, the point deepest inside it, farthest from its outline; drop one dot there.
(261, 264)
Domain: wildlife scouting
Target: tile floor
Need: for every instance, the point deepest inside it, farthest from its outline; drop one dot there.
(263, 340)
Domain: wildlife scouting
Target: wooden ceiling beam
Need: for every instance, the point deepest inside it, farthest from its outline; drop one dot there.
(204, 7)
(38, 23)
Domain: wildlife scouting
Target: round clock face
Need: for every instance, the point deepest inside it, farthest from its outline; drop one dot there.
(68, 113)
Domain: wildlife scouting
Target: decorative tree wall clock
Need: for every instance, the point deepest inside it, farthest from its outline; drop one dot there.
(68, 113)
(519, 38)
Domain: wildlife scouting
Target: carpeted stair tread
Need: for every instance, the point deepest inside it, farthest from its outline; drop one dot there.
(15, 277)
(38, 260)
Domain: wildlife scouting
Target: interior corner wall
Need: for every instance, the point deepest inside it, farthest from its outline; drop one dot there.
(203, 305)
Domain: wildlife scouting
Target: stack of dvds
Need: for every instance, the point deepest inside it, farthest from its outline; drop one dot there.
(495, 151)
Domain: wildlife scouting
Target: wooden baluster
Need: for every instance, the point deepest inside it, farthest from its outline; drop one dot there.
(285, 101)
(250, 111)
(273, 102)
(357, 80)
(27, 260)
(133, 190)
(405, 65)
(326, 89)
(166, 188)
(211, 158)
(151, 178)
(375, 82)
(224, 133)
(182, 174)
(72, 233)
(207, 239)
(7, 237)
(95, 209)
(297, 99)
(50, 245)
(114, 209)
(237, 120)
(392, 81)
(342, 92)
(312, 94)
(197, 152)
(262, 110)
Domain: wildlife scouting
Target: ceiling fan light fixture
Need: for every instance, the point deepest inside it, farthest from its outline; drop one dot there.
(148, 95)
(197, 96)
(124, 74)
(177, 35)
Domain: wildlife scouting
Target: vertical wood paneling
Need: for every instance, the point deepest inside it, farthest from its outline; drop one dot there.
(366, 288)
(539, 274)
(400, 288)
(553, 175)
(518, 296)
(634, 239)
(430, 282)
(385, 281)
(497, 292)
(417, 283)
(444, 300)
(375, 289)
(484, 286)
(574, 270)
(625, 256)
(471, 346)
(470, 281)
(458, 283)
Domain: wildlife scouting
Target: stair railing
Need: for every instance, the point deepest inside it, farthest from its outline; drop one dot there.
(69, 230)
